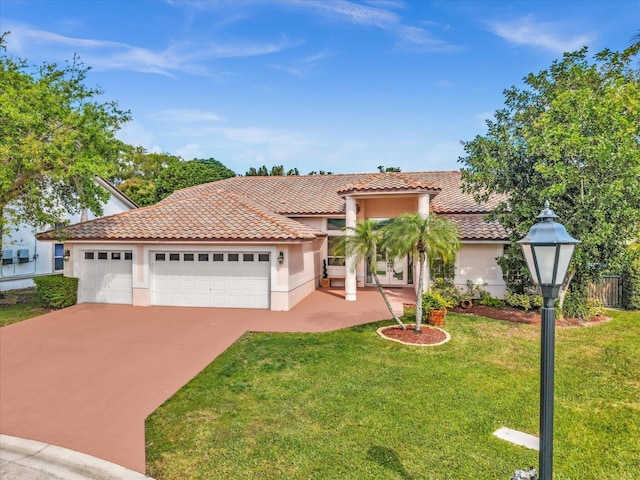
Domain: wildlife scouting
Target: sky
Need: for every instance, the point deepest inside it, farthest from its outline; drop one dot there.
(340, 86)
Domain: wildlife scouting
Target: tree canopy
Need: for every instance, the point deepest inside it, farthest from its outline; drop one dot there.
(570, 136)
(187, 174)
(275, 171)
(55, 137)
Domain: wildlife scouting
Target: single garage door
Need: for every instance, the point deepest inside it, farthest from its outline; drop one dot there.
(105, 277)
(211, 279)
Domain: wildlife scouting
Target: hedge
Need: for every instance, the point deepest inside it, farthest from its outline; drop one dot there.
(56, 291)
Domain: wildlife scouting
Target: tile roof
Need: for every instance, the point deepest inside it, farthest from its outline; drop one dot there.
(475, 227)
(320, 194)
(214, 216)
(257, 208)
(382, 182)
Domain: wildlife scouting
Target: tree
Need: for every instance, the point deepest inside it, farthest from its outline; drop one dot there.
(190, 173)
(362, 243)
(429, 236)
(136, 174)
(55, 138)
(570, 136)
(319, 172)
(383, 169)
(275, 171)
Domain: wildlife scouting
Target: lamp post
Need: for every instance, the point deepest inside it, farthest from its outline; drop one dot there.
(547, 249)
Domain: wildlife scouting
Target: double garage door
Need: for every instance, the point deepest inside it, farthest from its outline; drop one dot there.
(105, 277)
(211, 279)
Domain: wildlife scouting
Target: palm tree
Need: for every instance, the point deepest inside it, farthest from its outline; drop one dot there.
(422, 236)
(362, 244)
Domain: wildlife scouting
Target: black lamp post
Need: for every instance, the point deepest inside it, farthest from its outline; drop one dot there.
(547, 249)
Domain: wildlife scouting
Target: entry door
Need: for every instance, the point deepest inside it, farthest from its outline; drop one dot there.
(390, 271)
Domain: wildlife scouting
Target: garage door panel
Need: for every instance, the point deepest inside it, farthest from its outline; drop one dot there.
(211, 279)
(106, 277)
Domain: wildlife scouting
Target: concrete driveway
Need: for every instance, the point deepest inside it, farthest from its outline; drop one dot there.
(86, 377)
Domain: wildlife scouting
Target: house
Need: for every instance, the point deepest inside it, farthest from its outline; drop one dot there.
(260, 242)
(25, 257)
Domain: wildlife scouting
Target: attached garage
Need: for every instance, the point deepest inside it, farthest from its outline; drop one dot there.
(211, 279)
(105, 277)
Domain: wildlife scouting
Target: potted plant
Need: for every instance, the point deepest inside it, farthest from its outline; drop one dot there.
(325, 282)
(434, 308)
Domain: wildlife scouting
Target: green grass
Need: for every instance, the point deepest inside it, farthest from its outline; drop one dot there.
(19, 305)
(349, 405)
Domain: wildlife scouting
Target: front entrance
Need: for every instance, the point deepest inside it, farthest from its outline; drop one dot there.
(391, 272)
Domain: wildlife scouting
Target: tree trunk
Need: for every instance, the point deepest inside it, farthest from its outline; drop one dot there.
(421, 259)
(386, 300)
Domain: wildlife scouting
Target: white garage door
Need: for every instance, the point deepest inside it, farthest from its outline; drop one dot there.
(105, 277)
(211, 279)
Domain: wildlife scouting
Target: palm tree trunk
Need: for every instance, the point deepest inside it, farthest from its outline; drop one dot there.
(421, 261)
(386, 300)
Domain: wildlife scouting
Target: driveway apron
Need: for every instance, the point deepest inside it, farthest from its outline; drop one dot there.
(86, 377)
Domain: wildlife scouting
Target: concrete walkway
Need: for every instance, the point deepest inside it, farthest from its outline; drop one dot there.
(86, 377)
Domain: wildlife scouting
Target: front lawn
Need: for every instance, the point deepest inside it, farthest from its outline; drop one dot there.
(349, 405)
(19, 305)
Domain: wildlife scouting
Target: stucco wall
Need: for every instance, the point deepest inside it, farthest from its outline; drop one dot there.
(477, 262)
(386, 207)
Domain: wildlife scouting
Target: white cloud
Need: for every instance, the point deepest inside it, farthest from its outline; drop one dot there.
(184, 115)
(550, 36)
(442, 156)
(107, 55)
(190, 151)
(135, 133)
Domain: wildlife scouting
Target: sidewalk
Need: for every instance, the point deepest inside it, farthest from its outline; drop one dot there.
(22, 459)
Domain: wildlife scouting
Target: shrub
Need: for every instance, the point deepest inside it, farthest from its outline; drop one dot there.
(489, 301)
(522, 300)
(448, 291)
(575, 305)
(56, 291)
(434, 301)
(631, 283)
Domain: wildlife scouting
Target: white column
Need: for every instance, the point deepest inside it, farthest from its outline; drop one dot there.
(423, 209)
(350, 263)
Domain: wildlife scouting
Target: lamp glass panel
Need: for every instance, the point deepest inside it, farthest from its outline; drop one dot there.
(528, 256)
(546, 258)
(566, 251)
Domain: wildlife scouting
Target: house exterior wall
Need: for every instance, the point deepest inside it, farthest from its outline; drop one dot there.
(41, 254)
(477, 262)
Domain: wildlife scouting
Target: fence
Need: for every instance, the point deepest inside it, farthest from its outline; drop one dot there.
(608, 291)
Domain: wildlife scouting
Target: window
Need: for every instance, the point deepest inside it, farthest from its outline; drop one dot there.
(116, 256)
(333, 259)
(247, 257)
(128, 256)
(336, 223)
(218, 257)
(233, 257)
(174, 257)
(188, 257)
(263, 257)
(89, 255)
(160, 257)
(103, 256)
(203, 257)
(58, 256)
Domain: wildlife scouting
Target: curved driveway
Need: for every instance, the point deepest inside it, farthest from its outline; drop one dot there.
(86, 377)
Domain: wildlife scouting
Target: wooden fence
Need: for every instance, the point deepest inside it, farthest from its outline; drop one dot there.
(608, 291)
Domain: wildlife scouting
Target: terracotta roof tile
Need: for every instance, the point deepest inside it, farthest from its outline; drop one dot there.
(257, 208)
(216, 215)
(475, 227)
(385, 182)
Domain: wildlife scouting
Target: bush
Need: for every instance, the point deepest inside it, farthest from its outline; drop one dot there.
(489, 301)
(56, 291)
(522, 300)
(434, 301)
(631, 283)
(448, 291)
(575, 305)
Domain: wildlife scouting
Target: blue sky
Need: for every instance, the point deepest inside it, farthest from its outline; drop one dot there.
(341, 86)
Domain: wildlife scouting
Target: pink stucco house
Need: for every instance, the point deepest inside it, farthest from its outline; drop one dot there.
(260, 242)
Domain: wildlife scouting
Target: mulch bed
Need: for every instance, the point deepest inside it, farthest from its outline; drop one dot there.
(435, 336)
(427, 336)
